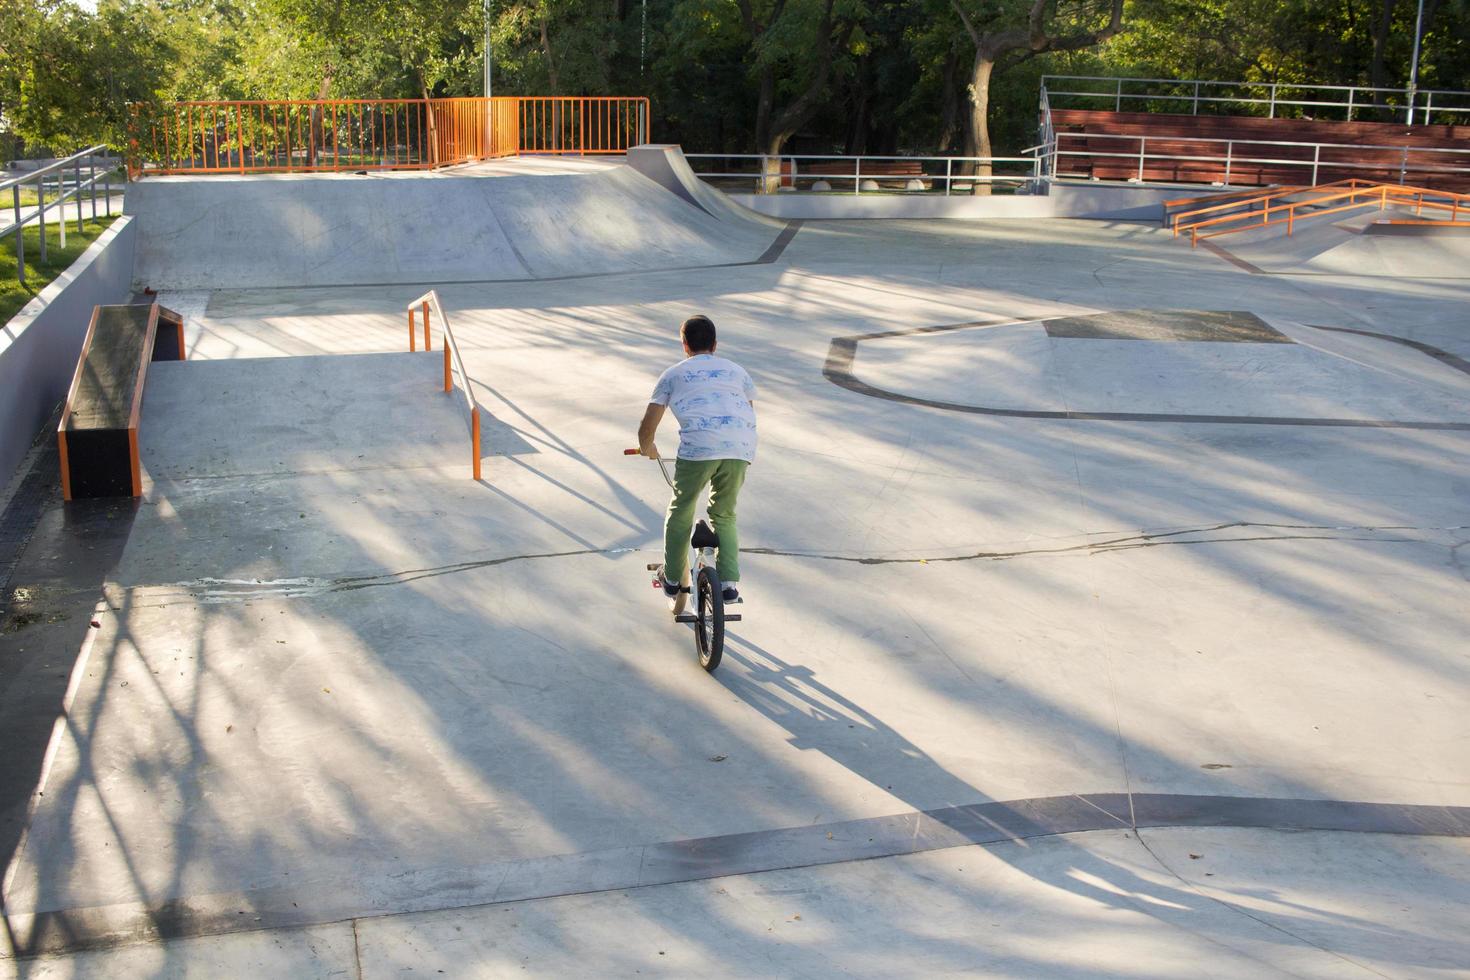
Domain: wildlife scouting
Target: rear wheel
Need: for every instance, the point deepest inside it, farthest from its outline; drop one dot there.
(709, 623)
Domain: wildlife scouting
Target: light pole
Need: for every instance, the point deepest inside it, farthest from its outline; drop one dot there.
(1414, 66)
(487, 48)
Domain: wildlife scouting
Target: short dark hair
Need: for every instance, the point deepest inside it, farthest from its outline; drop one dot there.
(699, 333)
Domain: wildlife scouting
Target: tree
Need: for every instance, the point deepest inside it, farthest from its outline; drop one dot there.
(69, 75)
(1047, 27)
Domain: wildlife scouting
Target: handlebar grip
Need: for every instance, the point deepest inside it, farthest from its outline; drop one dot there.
(630, 452)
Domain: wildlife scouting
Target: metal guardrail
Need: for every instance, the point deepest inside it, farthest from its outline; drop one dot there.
(336, 135)
(78, 184)
(1406, 160)
(452, 359)
(786, 170)
(1351, 100)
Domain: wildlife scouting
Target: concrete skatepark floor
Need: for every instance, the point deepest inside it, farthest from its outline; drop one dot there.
(350, 712)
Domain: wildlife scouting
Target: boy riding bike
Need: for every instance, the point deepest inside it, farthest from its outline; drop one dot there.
(714, 402)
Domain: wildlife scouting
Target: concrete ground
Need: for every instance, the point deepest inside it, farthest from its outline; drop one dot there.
(1074, 645)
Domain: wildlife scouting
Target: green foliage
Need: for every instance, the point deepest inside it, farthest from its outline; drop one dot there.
(67, 75)
(897, 84)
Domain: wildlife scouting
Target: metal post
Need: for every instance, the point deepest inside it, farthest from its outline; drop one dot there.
(61, 207)
(485, 10)
(1229, 153)
(857, 175)
(1273, 102)
(1316, 159)
(1118, 100)
(1414, 65)
(948, 170)
(92, 184)
(1428, 106)
(1195, 110)
(107, 190)
(1351, 92)
(1142, 148)
(80, 229)
(20, 238)
(41, 214)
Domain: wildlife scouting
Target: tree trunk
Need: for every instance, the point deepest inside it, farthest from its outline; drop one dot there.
(316, 114)
(433, 147)
(770, 178)
(1376, 70)
(978, 142)
(949, 111)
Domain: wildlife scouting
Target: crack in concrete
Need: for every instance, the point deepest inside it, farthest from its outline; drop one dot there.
(218, 590)
(1146, 539)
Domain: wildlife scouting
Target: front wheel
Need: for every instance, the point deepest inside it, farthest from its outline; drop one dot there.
(709, 623)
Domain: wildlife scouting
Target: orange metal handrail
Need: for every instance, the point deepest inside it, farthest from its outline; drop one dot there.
(310, 135)
(1376, 193)
(427, 302)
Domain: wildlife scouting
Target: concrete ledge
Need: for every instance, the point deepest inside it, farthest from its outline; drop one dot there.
(40, 345)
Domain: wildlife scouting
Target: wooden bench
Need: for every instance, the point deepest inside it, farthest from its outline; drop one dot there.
(98, 436)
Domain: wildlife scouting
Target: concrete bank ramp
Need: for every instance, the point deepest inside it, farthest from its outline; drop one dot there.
(665, 165)
(1354, 246)
(220, 232)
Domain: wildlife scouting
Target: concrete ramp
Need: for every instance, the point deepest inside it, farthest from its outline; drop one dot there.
(1352, 246)
(665, 165)
(219, 232)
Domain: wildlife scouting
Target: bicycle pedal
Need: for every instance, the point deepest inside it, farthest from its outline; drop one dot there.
(654, 568)
(686, 618)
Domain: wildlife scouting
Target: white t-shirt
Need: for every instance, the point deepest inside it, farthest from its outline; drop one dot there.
(710, 397)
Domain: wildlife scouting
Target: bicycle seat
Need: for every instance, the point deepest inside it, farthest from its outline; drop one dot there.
(704, 537)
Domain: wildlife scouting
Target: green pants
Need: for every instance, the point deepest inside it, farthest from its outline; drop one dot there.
(724, 478)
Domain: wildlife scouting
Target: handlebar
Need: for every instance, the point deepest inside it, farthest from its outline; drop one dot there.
(661, 461)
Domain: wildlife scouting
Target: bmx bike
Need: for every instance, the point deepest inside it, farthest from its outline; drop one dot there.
(701, 581)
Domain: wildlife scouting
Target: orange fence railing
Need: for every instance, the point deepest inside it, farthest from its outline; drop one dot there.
(1288, 205)
(452, 359)
(374, 134)
(559, 125)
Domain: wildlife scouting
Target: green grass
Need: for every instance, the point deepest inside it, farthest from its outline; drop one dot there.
(12, 294)
(29, 197)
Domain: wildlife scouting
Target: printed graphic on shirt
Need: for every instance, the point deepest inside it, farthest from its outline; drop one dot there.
(710, 396)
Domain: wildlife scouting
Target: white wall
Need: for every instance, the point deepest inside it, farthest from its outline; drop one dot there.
(39, 347)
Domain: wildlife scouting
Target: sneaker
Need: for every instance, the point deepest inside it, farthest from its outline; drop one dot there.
(731, 593)
(671, 589)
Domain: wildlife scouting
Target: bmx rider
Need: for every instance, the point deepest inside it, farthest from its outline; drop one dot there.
(713, 400)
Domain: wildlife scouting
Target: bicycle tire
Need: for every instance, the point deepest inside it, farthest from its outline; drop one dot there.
(709, 624)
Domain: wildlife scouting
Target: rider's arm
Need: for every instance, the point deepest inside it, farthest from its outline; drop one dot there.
(646, 429)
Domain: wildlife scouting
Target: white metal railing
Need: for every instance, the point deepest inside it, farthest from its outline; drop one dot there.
(1351, 100)
(1410, 159)
(787, 169)
(65, 188)
(452, 359)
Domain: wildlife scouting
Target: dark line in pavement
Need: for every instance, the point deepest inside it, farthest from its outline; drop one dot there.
(842, 352)
(1443, 356)
(672, 862)
(779, 245)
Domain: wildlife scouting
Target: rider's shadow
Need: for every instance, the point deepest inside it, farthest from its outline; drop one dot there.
(823, 720)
